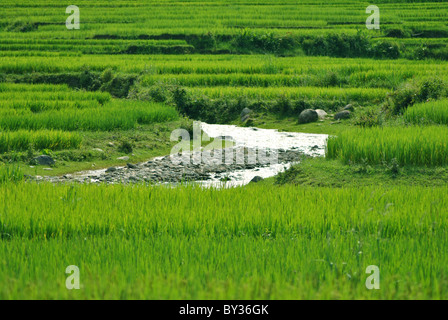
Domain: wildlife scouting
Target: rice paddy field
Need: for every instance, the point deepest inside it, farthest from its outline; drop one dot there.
(220, 244)
(412, 145)
(136, 70)
(430, 112)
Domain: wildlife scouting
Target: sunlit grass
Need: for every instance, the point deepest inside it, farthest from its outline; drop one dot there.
(429, 112)
(413, 145)
(246, 243)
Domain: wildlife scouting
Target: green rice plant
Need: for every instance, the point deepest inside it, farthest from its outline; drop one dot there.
(68, 96)
(414, 145)
(194, 18)
(255, 242)
(43, 139)
(118, 115)
(435, 112)
(14, 87)
(10, 173)
(46, 105)
(361, 95)
(303, 71)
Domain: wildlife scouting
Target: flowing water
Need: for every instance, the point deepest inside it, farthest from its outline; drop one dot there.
(310, 144)
(242, 137)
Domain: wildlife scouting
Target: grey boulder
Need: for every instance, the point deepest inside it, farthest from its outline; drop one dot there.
(256, 179)
(308, 115)
(342, 115)
(245, 114)
(321, 114)
(44, 160)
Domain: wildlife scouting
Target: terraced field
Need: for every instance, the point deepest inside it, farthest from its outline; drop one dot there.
(111, 93)
(193, 17)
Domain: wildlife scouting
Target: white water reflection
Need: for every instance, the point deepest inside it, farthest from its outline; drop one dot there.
(310, 144)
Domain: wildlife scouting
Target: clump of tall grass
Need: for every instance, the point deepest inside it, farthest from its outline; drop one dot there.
(43, 139)
(429, 112)
(408, 145)
(10, 173)
(120, 115)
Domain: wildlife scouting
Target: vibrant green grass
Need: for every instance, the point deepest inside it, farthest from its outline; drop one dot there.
(429, 112)
(72, 116)
(220, 16)
(10, 173)
(304, 71)
(42, 139)
(417, 145)
(30, 93)
(244, 243)
(37, 89)
(123, 117)
(355, 94)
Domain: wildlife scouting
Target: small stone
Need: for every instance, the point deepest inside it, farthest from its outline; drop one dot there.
(125, 158)
(111, 169)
